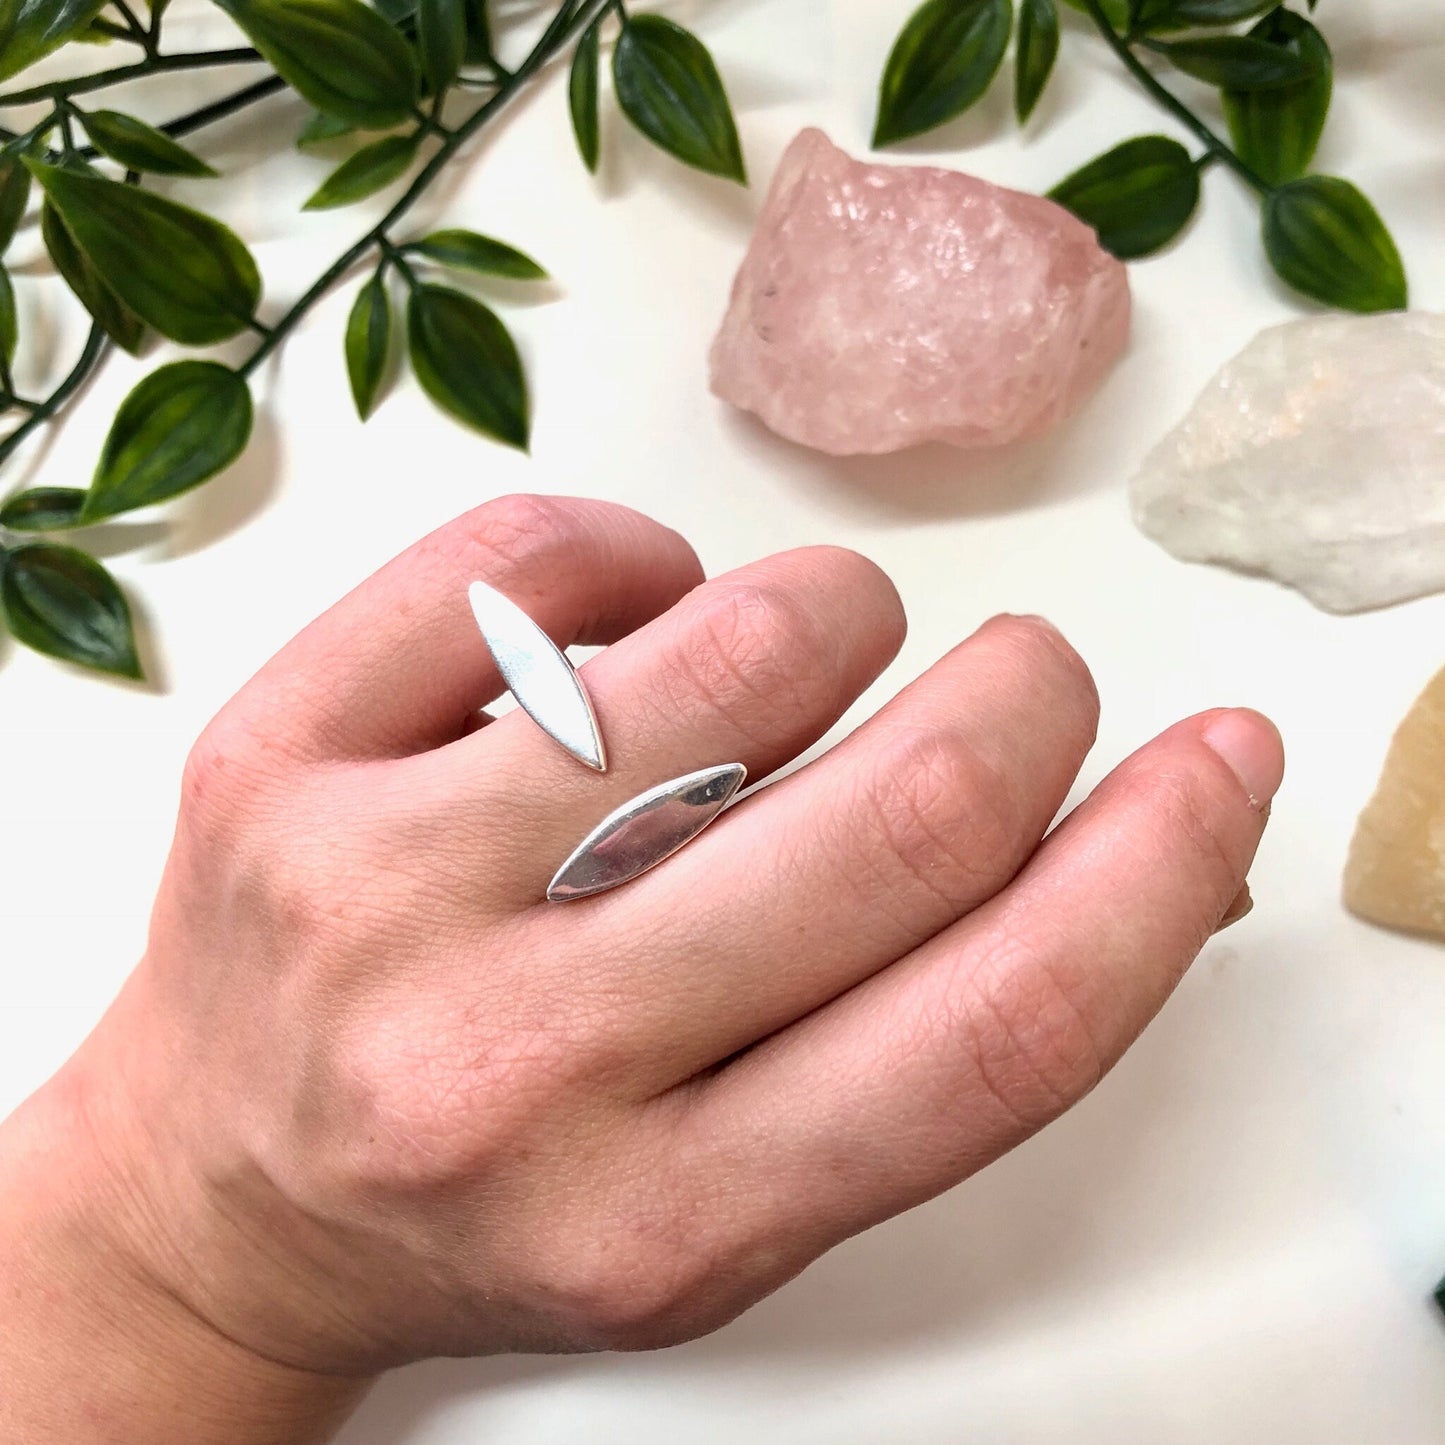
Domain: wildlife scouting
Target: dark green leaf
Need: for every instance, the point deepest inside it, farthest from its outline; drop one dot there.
(483, 254)
(14, 194)
(942, 62)
(140, 147)
(338, 54)
(1276, 131)
(114, 317)
(1186, 14)
(183, 272)
(479, 32)
(321, 128)
(467, 363)
(179, 426)
(1115, 11)
(1038, 45)
(32, 28)
(441, 37)
(397, 12)
(9, 322)
(42, 509)
(365, 173)
(582, 95)
(368, 340)
(1325, 239)
(1239, 62)
(1137, 196)
(669, 88)
(65, 604)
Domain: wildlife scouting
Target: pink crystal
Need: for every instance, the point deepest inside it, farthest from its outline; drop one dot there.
(879, 306)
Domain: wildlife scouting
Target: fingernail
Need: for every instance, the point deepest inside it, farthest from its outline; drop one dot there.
(1243, 902)
(1250, 746)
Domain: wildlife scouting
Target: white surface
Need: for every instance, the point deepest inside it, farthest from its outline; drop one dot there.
(1234, 1238)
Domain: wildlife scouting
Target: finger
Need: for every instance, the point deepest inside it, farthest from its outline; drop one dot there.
(398, 666)
(921, 815)
(932, 1068)
(751, 667)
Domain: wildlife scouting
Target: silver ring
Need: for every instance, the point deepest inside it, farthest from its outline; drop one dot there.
(643, 831)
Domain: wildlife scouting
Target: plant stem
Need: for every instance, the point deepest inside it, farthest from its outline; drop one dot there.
(152, 65)
(95, 345)
(138, 32)
(1171, 102)
(564, 24)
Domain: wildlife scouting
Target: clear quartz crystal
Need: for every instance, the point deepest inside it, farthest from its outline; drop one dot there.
(883, 305)
(1317, 457)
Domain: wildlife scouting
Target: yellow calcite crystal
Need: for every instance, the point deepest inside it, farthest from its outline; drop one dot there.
(1396, 869)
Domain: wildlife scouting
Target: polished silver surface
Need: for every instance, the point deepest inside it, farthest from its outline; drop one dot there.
(538, 675)
(645, 830)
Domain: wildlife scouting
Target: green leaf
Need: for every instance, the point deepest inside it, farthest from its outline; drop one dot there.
(32, 28)
(1239, 62)
(321, 128)
(669, 88)
(1115, 11)
(338, 54)
(14, 195)
(365, 173)
(113, 316)
(441, 36)
(943, 60)
(467, 363)
(140, 147)
(9, 322)
(1137, 196)
(472, 252)
(42, 509)
(179, 426)
(182, 272)
(368, 340)
(1038, 45)
(1185, 14)
(1325, 239)
(582, 95)
(1276, 131)
(479, 32)
(65, 604)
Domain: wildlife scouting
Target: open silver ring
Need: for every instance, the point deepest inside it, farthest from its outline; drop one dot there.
(640, 833)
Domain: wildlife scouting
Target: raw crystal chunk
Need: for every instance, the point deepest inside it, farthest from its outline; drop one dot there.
(1396, 870)
(1316, 456)
(879, 306)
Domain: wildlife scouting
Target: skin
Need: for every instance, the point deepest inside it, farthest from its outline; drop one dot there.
(368, 1099)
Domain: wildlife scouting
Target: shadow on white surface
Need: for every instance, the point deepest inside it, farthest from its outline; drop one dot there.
(226, 504)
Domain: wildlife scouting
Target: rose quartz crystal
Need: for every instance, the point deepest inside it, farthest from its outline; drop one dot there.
(879, 306)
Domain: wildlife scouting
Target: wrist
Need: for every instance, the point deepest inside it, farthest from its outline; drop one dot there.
(95, 1346)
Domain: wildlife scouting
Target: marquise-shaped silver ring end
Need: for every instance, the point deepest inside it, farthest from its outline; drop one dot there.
(645, 830)
(539, 675)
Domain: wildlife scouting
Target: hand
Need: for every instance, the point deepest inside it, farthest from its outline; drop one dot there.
(367, 1098)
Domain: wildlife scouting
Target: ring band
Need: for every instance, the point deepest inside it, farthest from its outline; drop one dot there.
(643, 831)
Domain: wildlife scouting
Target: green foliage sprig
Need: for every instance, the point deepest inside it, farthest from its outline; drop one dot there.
(387, 77)
(1274, 84)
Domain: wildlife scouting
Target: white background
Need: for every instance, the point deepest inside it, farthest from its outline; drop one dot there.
(1234, 1238)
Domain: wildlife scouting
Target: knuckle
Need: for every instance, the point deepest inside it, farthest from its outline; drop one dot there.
(1033, 1049)
(225, 771)
(952, 820)
(521, 534)
(621, 1289)
(1194, 823)
(756, 654)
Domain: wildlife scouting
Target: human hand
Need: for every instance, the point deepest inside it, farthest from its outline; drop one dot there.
(367, 1098)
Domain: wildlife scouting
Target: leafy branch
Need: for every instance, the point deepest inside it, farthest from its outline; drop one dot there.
(1274, 83)
(378, 76)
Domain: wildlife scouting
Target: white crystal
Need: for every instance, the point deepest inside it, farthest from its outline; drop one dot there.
(1317, 457)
